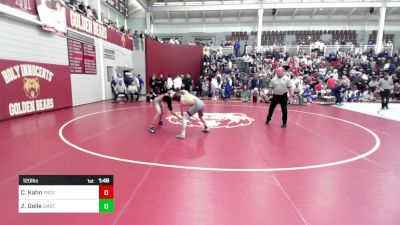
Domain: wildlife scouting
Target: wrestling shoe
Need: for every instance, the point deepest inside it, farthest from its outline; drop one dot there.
(152, 130)
(206, 130)
(181, 136)
(161, 122)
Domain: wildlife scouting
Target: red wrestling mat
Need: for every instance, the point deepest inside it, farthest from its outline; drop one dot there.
(329, 166)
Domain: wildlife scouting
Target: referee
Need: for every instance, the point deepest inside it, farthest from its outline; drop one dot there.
(385, 86)
(281, 86)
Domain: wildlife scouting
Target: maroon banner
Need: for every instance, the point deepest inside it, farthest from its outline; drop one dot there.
(80, 22)
(28, 6)
(82, 57)
(27, 88)
(86, 25)
(119, 39)
(162, 58)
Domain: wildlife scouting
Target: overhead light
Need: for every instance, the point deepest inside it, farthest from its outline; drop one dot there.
(212, 2)
(194, 3)
(175, 3)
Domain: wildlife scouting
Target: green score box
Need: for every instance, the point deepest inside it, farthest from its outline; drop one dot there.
(106, 205)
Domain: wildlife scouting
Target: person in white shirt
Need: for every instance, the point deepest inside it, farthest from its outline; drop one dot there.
(214, 88)
(170, 83)
(178, 83)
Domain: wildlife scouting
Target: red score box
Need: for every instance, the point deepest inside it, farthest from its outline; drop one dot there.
(106, 192)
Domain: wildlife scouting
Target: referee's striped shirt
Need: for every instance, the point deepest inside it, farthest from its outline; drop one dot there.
(385, 84)
(281, 85)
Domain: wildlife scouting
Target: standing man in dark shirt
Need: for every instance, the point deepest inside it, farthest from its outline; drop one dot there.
(153, 83)
(187, 81)
(160, 83)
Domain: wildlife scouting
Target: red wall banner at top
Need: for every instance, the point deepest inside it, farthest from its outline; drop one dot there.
(80, 22)
(28, 6)
(28, 87)
(118, 39)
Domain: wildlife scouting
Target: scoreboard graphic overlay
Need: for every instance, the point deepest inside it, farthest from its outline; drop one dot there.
(66, 194)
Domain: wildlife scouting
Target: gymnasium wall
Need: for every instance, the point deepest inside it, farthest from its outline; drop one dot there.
(218, 30)
(25, 52)
(122, 59)
(28, 42)
(24, 44)
(139, 67)
(87, 88)
(163, 58)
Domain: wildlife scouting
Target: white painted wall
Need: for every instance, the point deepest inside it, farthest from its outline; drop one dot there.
(123, 58)
(87, 88)
(37, 45)
(139, 66)
(23, 41)
(138, 24)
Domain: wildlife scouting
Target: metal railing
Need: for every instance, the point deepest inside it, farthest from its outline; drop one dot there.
(301, 49)
(226, 50)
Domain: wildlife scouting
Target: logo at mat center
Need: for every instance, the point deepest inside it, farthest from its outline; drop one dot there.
(216, 120)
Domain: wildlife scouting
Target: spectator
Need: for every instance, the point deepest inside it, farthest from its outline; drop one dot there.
(237, 48)
(120, 88)
(331, 82)
(152, 83)
(396, 90)
(135, 37)
(245, 94)
(113, 88)
(140, 80)
(188, 82)
(170, 83)
(307, 94)
(297, 95)
(178, 83)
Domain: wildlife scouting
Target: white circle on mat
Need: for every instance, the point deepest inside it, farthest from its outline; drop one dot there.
(357, 157)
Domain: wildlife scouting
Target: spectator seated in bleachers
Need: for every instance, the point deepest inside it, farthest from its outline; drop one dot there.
(307, 94)
(265, 95)
(297, 98)
(120, 90)
(245, 94)
(255, 95)
(205, 86)
(396, 90)
(367, 96)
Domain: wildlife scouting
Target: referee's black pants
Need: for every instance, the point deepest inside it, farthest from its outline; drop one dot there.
(385, 94)
(281, 100)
